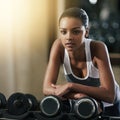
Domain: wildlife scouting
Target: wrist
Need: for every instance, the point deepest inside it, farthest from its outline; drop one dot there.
(70, 85)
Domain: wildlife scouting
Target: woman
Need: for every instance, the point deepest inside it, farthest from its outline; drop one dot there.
(86, 64)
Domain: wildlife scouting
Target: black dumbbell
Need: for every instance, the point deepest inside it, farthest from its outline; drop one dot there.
(33, 102)
(3, 101)
(19, 103)
(86, 108)
(51, 106)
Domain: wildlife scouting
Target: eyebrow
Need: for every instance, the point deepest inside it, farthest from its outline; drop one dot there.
(73, 28)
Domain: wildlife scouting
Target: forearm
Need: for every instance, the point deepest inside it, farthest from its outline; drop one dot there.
(74, 95)
(99, 93)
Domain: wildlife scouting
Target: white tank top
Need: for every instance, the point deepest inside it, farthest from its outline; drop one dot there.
(92, 77)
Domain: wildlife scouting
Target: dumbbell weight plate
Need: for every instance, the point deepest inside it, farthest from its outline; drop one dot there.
(50, 106)
(32, 101)
(86, 107)
(18, 104)
(3, 101)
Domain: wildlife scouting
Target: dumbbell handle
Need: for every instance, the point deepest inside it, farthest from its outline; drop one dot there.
(30, 103)
(18, 103)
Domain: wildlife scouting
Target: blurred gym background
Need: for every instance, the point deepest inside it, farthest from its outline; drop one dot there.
(28, 29)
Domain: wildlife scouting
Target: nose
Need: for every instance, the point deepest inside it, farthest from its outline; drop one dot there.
(69, 36)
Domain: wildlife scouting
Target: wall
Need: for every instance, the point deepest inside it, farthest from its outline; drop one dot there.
(23, 45)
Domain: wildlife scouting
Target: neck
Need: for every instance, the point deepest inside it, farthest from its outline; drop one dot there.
(78, 54)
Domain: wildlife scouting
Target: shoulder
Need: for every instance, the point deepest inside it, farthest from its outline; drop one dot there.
(99, 52)
(57, 46)
(96, 43)
(57, 49)
(98, 47)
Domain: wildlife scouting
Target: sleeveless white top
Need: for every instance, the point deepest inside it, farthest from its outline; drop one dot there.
(92, 77)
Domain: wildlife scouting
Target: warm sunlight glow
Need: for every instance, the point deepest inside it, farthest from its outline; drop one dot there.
(6, 16)
(20, 21)
(23, 38)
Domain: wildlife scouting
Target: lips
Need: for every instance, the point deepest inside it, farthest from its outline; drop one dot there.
(69, 44)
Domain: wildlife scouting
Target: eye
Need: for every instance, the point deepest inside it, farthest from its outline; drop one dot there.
(63, 32)
(76, 32)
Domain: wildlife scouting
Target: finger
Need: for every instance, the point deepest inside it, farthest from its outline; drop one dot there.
(53, 85)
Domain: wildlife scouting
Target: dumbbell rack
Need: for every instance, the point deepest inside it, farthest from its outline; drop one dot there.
(36, 115)
(21, 106)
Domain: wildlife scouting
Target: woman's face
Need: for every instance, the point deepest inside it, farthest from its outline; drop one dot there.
(72, 33)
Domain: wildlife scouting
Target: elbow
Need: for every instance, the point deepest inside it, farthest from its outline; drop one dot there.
(108, 95)
(111, 98)
(44, 92)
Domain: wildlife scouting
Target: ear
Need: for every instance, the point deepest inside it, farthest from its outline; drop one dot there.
(87, 33)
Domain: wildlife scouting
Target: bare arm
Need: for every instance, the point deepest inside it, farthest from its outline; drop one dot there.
(52, 69)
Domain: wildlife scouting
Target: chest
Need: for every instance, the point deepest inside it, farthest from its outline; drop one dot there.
(79, 68)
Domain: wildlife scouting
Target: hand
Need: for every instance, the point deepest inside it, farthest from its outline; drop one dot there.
(60, 90)
(74, 95)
